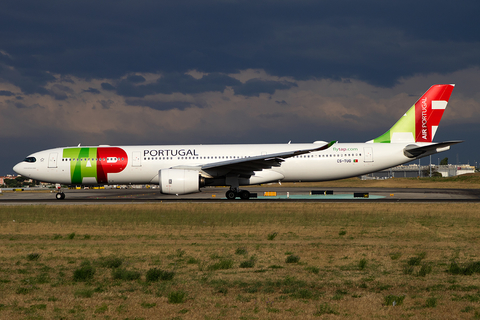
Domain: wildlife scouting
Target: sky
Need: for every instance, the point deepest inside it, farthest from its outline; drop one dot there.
(226, 71)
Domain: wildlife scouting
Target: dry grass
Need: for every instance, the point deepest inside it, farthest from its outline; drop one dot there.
(353, 258)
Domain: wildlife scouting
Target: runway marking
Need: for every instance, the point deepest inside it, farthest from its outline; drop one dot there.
(320, 196)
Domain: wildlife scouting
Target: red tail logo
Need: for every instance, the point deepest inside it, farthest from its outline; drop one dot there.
(429, 111)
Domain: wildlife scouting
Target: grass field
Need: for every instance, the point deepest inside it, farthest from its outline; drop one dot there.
(240, 261)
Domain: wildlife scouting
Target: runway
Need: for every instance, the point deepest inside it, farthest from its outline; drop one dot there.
(217, 195)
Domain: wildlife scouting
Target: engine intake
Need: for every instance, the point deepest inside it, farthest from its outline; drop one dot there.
(180, 181)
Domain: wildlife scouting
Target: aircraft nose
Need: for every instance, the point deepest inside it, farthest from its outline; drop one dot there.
(18, 168)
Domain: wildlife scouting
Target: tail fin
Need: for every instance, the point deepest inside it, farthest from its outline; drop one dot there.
(420, 123)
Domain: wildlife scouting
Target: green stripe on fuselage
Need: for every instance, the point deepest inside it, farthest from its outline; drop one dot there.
(83, 163)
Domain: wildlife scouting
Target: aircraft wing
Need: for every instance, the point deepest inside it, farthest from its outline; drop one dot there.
(414, 151)
(246, 166)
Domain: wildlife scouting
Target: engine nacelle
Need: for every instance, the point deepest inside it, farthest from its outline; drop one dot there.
(179, 181)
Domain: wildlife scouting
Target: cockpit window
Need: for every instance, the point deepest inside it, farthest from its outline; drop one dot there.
(30, 159)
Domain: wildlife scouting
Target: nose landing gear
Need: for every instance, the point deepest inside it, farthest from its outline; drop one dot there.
(60, 195)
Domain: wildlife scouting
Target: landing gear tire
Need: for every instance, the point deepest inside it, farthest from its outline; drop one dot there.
(244, 195)
(231, 195)
(60, 196)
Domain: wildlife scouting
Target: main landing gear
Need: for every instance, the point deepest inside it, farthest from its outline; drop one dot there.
(233, 193)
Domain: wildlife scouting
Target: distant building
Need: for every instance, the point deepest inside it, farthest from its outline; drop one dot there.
(452, 170)
(9, 176)
(12, 177)
(414, 171)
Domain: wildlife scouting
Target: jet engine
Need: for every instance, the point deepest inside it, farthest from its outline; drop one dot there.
(180, 181)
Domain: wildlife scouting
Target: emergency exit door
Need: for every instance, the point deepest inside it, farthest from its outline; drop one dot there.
(368, 154)
(52, 160)
(136, 159)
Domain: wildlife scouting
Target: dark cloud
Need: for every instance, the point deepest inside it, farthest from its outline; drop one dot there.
(67, 79)
(106, 104)
(60, 92)
(374, 40)
(30, 81)
(91, 90)
(6, 93)
(136, 79)
(20, 105)
(161, 105)
(254, 87)
(177, 82)
(351, 117)
(186, 84)
(5, 58)
(107, 86)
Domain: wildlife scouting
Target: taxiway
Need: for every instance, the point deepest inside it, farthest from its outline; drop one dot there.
(293, 194)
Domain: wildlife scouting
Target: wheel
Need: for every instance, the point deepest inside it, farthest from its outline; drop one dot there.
(244, 195)
(60, 196)
(231, 195)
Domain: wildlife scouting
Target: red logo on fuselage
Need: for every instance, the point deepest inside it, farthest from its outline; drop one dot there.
(110, 160)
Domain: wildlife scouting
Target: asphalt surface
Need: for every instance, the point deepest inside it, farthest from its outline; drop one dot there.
(217, 195)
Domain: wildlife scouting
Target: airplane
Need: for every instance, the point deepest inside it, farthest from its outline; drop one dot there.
(183, 169)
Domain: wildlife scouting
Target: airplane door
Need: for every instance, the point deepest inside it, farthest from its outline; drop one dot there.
(137, 159)
(368, 152)
(52, 160)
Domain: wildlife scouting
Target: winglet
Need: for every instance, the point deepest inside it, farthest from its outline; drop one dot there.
(325, 147)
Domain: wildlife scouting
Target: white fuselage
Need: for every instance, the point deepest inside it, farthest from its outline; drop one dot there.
(141, 164)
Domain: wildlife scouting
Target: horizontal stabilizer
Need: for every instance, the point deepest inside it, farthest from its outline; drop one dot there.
(415, 151)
